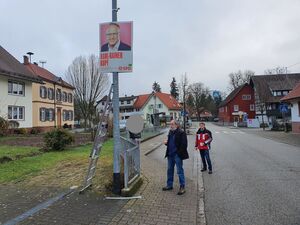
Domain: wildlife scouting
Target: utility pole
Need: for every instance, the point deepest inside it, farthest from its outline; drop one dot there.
(184, 109)
(116, 111)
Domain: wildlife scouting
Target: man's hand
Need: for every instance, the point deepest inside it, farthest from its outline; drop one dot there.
(165, 141)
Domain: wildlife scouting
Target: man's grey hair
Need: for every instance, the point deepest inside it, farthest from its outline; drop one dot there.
(176, 122)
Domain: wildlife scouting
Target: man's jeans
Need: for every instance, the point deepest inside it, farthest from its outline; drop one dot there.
(172, 160)
(205, 158)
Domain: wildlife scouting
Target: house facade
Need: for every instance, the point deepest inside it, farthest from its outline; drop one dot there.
(294, 99)
(126, 106)
(156, 105)
(52, 101)
(269, 90)
(16, 85)
(238, 105)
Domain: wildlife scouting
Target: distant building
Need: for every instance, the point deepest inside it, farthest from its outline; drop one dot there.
(52, 101)
(294, 99)
(238, 105)
(16, 84)
(126, 105)
(158, 105)
(268, 90)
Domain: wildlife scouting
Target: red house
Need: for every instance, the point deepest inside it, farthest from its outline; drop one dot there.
(238, 105)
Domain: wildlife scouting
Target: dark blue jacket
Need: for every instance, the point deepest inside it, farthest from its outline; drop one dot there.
(181, 144)
(122, 47)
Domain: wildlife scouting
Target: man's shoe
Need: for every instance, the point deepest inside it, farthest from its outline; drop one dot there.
(181, 191)
(210, 172)
(202, 170)
(167, 188)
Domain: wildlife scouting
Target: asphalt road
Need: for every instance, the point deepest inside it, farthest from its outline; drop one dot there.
(255, 181)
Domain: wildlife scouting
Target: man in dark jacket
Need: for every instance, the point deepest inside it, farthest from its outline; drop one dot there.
(176, 153)
(203, 140)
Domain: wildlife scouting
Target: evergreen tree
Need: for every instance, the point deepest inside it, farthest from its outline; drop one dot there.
(174, 89)
(156, 87)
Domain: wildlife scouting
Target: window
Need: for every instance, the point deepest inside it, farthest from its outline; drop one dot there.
(58, 95)
(284, 93)
(235, 108)
(226, 109)
(16, 88)
(252, 107)
(246, 97)
(159, 106)
(64, 96)
(128, 101)
(70, 98)
(299, 108)
(43, 92)
(221, 110)
(51, 114)
(67, 115)
(122, 102)
(50, 93)
(42, 114)
(16, 113)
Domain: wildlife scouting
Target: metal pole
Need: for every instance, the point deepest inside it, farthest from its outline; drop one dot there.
(116, 129)
(184, 128)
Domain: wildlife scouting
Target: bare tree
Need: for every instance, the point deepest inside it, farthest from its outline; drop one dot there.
(277, 70)
(199, 95)
(90, 85)
(261, 99)
(239, 78)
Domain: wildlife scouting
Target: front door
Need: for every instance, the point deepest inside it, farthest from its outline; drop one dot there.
(59, 117)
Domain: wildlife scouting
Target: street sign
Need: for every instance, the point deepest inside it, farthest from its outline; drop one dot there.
(283, 107)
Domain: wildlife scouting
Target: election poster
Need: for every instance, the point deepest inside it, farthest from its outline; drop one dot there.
(116, 47)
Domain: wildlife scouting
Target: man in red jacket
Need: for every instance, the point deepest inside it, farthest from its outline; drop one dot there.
(203, 140)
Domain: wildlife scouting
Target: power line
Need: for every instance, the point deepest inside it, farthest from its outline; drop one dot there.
(293, 65)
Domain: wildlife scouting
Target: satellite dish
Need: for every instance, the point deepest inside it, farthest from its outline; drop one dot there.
(135, 124)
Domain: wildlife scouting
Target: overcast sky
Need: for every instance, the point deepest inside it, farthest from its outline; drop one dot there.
(207, 39)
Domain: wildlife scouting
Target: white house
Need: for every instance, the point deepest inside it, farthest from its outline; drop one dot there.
(15, 90)
(294, 98)
(158, 105)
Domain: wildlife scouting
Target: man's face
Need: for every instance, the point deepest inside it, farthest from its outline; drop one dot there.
(173, 125)
(112, 35)
(202, 126)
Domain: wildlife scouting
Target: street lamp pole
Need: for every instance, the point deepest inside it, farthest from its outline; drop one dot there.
(116, 127)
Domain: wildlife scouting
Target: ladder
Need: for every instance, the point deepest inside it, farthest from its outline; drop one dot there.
(98, 142)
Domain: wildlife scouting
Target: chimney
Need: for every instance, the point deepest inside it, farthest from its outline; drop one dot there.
(25, 60)
(35, 63)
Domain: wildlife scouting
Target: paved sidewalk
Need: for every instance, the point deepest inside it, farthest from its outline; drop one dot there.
(158, 207)
(155, 206)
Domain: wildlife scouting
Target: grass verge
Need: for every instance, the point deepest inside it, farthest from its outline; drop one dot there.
(65, 168)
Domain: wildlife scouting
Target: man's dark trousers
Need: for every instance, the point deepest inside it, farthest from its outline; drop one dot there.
(205, 158)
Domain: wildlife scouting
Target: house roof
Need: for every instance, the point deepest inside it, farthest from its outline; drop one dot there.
(167, 99)
(232, 95)
(11, 67)
(265, 84)
(141, 101)
(295, 93)
(47, 75)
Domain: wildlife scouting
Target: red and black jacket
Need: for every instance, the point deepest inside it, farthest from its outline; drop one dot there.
(205, 137)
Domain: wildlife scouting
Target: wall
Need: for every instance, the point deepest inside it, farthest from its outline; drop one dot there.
(25, 101)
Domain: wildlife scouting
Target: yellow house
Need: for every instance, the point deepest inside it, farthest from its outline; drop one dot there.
(52, 102)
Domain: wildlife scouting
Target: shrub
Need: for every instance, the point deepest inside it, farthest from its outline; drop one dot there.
(35, 130)
(3, 127)
(21, 131)
(57, 139)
